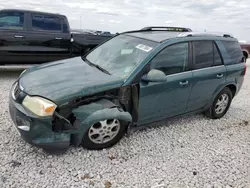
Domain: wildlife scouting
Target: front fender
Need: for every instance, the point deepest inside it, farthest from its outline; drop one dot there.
(87, 115)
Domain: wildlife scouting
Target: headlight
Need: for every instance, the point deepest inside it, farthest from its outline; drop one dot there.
(39, 106)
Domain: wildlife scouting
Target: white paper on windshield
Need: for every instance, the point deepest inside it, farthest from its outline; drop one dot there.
(144, 47)
(126, 51)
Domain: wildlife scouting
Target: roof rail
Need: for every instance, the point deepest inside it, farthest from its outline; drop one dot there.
(161, 28)
(199, 34)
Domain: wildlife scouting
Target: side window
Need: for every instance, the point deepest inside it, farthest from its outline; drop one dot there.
(203, 53)
(206, 54)
(234, 51)
(217, 57)
(172, 59)
(46, 23)
(12, 20)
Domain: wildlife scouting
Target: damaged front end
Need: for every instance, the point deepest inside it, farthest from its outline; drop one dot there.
(36, 130)
(78, 115)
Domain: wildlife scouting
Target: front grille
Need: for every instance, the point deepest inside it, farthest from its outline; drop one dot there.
(16, 91)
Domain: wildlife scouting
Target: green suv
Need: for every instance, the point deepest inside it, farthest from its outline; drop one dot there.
(133, 79)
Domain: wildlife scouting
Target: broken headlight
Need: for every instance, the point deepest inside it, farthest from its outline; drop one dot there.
(39, 106)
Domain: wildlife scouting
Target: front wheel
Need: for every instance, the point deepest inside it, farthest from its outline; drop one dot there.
(220, 104)
(104, 134)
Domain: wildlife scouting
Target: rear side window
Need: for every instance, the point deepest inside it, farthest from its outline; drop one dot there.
(206, 54)
(46, 23)
(12, 20)
(217, 56)
(234, 51)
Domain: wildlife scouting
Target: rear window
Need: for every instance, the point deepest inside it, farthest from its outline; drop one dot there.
(234, 51)
(46, 23)
(12, 20)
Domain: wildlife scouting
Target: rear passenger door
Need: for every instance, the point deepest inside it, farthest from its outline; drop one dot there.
(48, 40)
(209, 73)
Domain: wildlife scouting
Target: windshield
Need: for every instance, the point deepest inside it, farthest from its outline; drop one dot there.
(120, 55)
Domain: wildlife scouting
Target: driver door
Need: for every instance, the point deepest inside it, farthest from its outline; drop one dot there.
(161, 99)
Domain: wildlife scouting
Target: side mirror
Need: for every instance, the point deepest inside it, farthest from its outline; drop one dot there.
(155, 75)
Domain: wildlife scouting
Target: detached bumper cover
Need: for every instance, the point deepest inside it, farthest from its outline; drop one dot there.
(35, 130)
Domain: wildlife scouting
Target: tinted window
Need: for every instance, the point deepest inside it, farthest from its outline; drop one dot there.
(217, 57)
(46, 23)
(203, 54)
(173, 59)
(234, 51)
(11, 20)
(65, 28)
(206, 54)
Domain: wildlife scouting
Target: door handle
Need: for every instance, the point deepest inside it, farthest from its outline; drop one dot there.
(19, 36)
(183, 83)
(219, 75)
(58, 38)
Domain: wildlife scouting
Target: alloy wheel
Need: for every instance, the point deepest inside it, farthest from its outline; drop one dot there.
(104, 131)
(221, 103)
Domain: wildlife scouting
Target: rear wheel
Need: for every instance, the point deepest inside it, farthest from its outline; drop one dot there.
(104, 134)
(220, 104)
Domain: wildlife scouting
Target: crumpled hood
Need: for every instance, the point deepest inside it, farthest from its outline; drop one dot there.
(62, 80)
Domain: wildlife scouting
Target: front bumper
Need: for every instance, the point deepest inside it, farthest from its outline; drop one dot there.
(35, 130)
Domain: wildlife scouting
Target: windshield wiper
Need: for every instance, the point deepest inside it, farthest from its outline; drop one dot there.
(102, 69)
(97, 66)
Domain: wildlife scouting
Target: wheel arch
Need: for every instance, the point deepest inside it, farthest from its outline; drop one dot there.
(100, 110)
(231, 86)
(245, 53)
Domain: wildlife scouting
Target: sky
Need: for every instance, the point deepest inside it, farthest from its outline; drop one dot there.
(122, 15)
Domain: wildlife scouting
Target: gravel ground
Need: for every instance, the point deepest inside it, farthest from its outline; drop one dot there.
(187, 152)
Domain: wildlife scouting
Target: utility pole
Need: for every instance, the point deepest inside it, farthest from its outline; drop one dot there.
(80, 22)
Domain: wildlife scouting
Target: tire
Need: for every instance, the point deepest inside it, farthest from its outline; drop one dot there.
(213, 112)
(90, 143)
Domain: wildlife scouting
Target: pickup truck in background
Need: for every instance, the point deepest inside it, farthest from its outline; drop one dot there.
(32, 37)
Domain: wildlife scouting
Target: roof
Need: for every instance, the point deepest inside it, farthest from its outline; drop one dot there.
(32, 11)
(157, 36)
(161, 36)
(158, 33)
